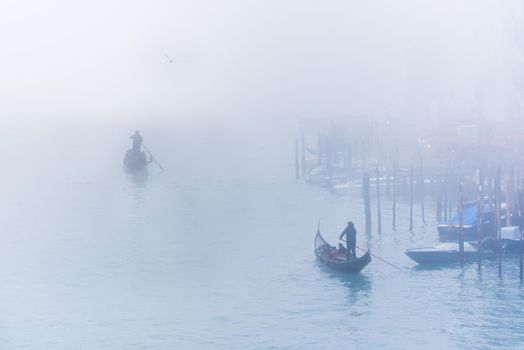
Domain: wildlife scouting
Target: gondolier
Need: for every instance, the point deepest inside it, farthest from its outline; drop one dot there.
(137, 141)
(351, 240)
(135, 159)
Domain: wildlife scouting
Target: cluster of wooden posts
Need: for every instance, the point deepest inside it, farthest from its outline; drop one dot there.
(488, 192)
(449, 184)
(393, 188)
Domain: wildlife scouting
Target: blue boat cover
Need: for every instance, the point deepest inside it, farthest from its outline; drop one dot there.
(470, 216)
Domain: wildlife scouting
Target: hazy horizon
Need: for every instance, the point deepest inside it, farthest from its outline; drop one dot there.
(259, 60)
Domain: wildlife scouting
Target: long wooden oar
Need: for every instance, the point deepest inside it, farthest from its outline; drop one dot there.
(153, 157)
(376, 256)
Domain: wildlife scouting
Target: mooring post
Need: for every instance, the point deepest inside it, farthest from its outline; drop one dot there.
(388, 189)
(514, 198)
(480, 215)
(379, 219)
(367, 201)
(497, 219)
(521, 262)
(411, 198)
(394, 208)
(445, 207)
(439, 198)
(303, 146)
(319, 149)
(509, 205)
(521, 250)
(297, 166)
(461, 223)
(491, 185)
(422, 191)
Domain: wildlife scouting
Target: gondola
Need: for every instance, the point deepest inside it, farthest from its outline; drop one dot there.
(329, 256)
(135, 161)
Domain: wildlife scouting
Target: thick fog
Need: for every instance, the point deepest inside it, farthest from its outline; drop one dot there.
(261, 60)
(205, 233)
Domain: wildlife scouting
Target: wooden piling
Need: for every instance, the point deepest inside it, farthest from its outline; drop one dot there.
(379, 219)
(394, 207)
(509, 205)
(521, 250)
(411, 198)
(319, 149)
(445, 206)
(512, 196)
(439, 199)
(297, 166)
(388, 188)
(490, 186)
(367, 202)
(521, 262)
(497, 219)
(303, 146)
(480, 215)
(461, 223)
(422, 191)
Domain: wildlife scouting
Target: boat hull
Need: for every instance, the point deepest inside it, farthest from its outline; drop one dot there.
(135, 161)
(352, 266)
(510, 246)
(452, 232)
(444, 257)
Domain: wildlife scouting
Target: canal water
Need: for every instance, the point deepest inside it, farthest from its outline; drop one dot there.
(216, 252)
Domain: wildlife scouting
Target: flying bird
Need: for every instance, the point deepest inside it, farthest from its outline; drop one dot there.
(171, 59)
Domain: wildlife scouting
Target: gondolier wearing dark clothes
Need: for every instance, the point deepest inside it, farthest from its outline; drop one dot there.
(351, 240)
(137, 141)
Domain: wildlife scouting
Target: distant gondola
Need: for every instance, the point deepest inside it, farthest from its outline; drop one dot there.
(135, 161)
(329, 256)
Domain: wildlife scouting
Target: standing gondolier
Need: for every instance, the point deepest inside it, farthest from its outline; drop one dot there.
(351, 240)
(137, 141)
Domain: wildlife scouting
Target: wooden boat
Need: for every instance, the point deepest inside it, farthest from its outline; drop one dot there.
(510, 240)
(448, 253)
(324, 175)
(329, 256)
(449, 230)
(134, 161)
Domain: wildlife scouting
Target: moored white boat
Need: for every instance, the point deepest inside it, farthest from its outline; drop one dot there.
(447, 253)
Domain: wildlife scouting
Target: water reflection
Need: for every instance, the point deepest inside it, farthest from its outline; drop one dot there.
(436, 267)
(138, 177)
(358, 284)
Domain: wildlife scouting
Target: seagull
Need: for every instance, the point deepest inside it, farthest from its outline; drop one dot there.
(172, 59)
(169, 58)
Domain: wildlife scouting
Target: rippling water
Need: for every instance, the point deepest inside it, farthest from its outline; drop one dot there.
(217, 253)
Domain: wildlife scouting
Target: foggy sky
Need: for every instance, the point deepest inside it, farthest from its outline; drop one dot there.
(261, 60)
